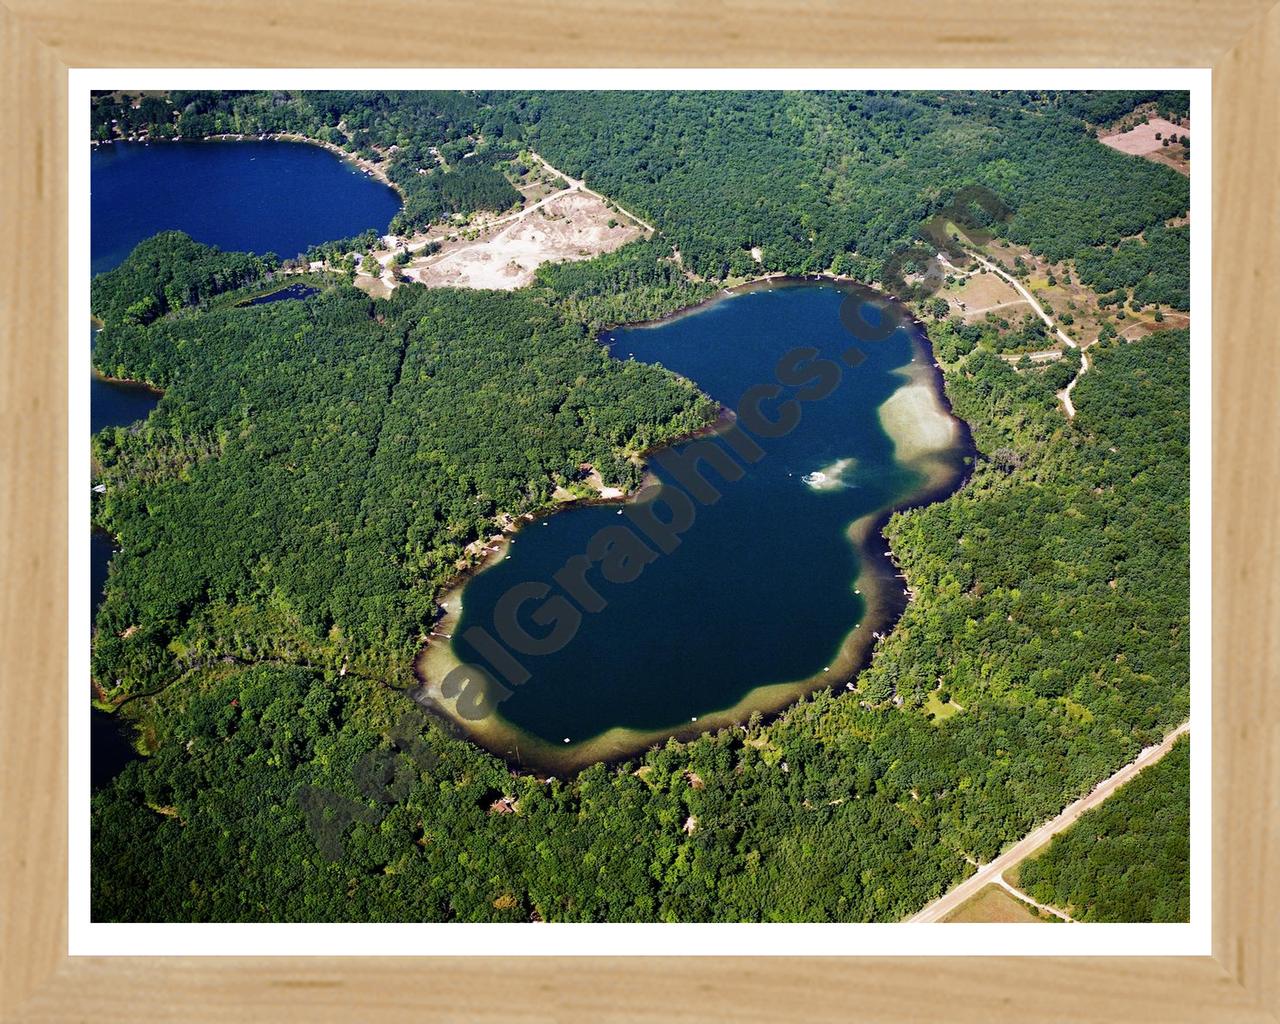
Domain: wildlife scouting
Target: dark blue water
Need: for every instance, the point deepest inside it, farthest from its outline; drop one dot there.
(279, 197)
(293, 293)
(761, 587)
(276, 197)
(115, 404)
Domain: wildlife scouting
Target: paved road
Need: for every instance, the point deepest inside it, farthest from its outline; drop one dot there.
(988, 873)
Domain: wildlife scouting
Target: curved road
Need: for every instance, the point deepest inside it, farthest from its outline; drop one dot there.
(1065, 393)
(419, 241)
(989, 873)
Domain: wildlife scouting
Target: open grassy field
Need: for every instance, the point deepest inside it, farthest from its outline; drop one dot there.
(941, 712)
(993, 905)
(974, 296)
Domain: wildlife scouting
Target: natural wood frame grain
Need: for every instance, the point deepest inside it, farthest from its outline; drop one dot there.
(40, 39)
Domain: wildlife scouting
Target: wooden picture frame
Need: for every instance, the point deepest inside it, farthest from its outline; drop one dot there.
(41, 39)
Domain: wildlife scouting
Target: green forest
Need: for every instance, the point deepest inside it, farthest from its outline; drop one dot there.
(316, 469)
(358, 448)
(823, 180)
(1129, 859)
(820, 181)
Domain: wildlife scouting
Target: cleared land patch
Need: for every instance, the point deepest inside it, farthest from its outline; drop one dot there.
(993, 905)
(569, 226)
(1148, 325)
(1065, 295)
(1148, 140)
(940, 711)
(973, 296)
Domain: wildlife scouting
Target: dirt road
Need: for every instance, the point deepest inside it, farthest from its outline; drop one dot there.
(576, 183)
(488, 227)
(989, 873)
(1065, 394)
(1018, 894)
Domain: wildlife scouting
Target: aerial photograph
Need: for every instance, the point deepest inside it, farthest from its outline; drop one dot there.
(639, 506)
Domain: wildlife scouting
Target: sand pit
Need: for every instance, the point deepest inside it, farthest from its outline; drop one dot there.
(570, 226)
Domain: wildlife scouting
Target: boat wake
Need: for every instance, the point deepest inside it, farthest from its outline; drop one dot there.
(832, 477)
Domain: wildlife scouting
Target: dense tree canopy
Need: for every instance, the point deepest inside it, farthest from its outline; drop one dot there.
(168, 272)
(813, 177)
(1154, 267)
(846, 808)
(1128, 860)
(316, 469)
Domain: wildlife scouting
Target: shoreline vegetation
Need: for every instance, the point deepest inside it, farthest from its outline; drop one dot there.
(1025, 583)
(918, 419)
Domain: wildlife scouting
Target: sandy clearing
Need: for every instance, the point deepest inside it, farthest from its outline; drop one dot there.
(581, 186)
(570, 225)
(1141, 140)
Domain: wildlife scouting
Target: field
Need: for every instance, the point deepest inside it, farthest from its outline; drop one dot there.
(941, 712)
(993, 905)
(975, 296)
(1057, 298)
(568, 226)
(1141, 140)
(1147, 325)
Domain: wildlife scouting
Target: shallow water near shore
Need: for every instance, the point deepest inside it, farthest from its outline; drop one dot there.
(775, 589)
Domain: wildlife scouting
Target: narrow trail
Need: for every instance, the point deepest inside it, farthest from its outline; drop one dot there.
(1028, 844)
(998, 305)
(1018, 894)
(1064, 396)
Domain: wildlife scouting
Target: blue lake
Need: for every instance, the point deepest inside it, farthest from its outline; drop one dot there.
(279, 197)
(768, 593)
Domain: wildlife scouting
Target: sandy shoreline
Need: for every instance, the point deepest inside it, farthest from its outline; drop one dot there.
(927, 436)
